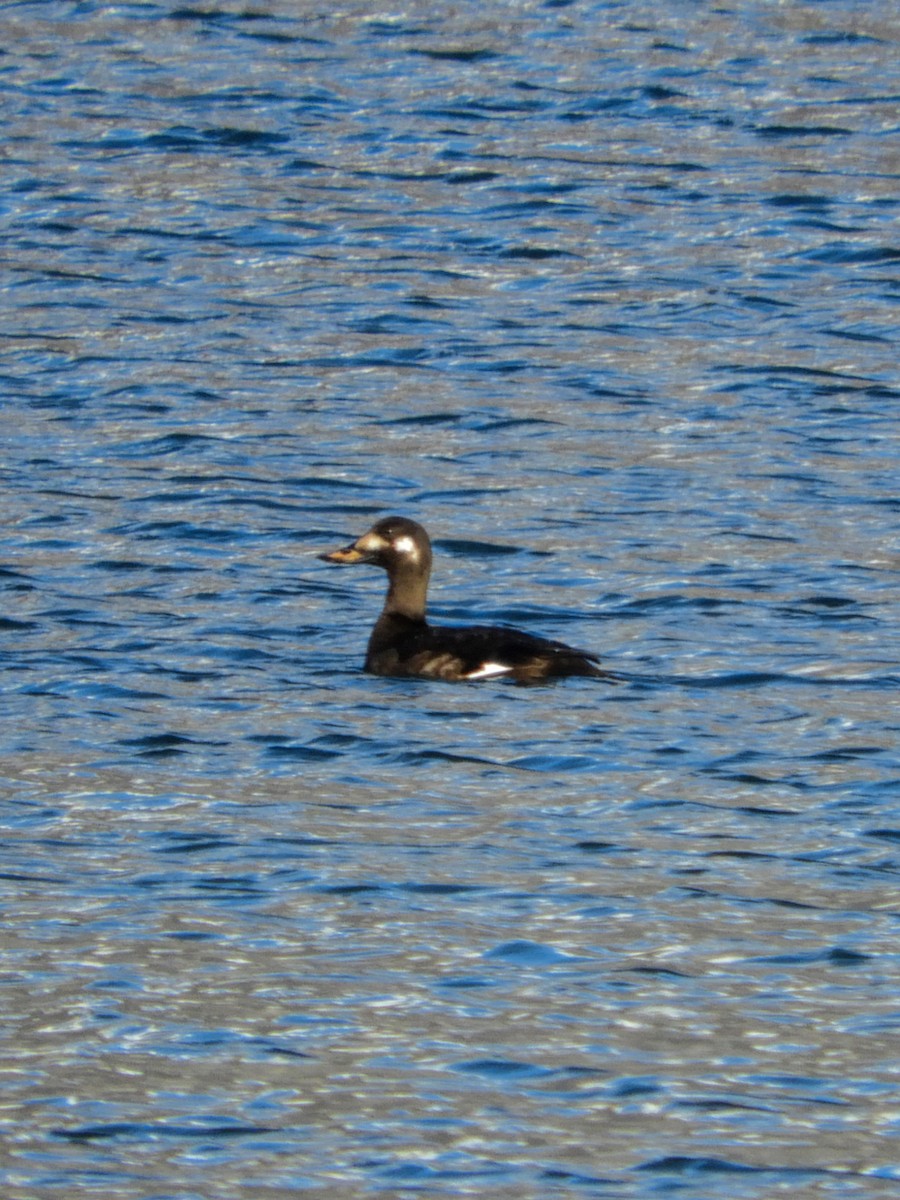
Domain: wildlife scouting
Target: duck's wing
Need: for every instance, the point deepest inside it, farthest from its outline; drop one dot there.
(529, 658)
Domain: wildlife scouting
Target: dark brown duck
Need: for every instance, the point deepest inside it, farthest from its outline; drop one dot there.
(403, 643)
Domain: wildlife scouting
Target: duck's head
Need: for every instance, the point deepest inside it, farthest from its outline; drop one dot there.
(394, 543)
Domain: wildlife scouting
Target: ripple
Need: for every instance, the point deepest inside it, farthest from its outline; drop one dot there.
(626, 351)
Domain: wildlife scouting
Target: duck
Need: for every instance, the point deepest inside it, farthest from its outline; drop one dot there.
(404, 644)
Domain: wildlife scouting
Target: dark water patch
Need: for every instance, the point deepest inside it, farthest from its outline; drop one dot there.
(191, 935)
(395, 358)
(333, 484)
(687, 1165)
(419, 758)
(438, 889)
(558, 1176)
(534, 252)
(130, 1131)
(756, 536)
(353, 889)
(851, 255)
(884, 835)
(754, 679)
(775, 131)
(340, 741)
(506, 366)
(664, 972)
(21, 877)
(189, 843)
(171, 443)
(812, 201)
(118, 564)
(461, 495)
(392, 324)
(302, 753)
(640, 1085)
(178, 530)
(212, 16)
(554, 763)
(846, 753)
(425, 419)
(304, 165)
(231, 886)
(281, 39)
(303, 841)
(522, 952)
(460, 178)
(95, 690)
(825, 601)
(456, 54)
(788, 372)
(709, 605)
(161, 744)
(837, 956)
(838, 37)
(11, 625)
(747, 777)
(501, 1069)
(857, 335)
(186, 139)
(465, 982)
(534, 425)
(469, 548)
(763, 302)
(815, 1087)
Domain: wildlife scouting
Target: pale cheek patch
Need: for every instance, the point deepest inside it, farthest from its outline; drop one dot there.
(406, 545)
(488, 670)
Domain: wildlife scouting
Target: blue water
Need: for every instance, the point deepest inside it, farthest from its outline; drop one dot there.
(605, 296)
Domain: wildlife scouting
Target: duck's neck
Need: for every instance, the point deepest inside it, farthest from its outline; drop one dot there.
(407, 592)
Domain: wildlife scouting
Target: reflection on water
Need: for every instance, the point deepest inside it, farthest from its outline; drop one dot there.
(605, 296)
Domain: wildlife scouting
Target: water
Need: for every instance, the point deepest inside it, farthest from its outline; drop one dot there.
(604, 295)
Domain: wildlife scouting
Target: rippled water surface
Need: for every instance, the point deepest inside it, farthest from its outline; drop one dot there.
(603, 294)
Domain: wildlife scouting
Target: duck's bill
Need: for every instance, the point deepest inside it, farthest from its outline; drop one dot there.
(347, 556)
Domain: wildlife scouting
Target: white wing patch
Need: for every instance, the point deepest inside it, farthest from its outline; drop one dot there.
(489, 670)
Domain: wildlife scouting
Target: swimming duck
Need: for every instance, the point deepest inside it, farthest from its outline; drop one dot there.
(403, 643)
